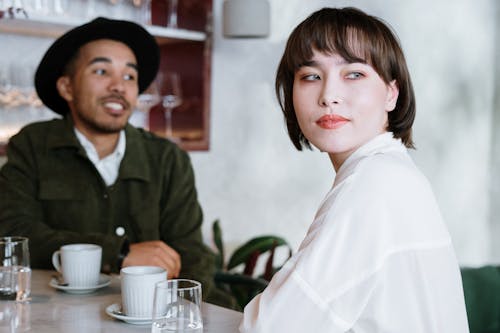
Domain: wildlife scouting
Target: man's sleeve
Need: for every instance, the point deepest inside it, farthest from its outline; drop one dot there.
(181, 228)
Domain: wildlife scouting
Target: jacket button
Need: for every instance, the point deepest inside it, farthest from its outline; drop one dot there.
(120, 231)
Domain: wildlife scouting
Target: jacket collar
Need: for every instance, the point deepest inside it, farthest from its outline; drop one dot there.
(62, 136)
(133, 163)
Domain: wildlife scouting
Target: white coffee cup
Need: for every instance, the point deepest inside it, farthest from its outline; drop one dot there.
(79, 264)
(138, 288)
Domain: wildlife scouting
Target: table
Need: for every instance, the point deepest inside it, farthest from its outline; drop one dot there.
(52, 311)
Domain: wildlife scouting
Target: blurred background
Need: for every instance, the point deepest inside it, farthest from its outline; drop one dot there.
(255, 182)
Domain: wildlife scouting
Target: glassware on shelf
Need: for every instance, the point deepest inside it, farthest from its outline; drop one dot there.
(145, 101)
(60, 7)
(172, 98)
(143, 11)
(172, 14)
(16, 85)
(12, 9)
(144, 104)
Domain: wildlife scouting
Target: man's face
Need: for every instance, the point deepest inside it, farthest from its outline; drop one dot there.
(102, 89)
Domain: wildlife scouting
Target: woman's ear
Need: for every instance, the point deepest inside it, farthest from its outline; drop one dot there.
(64, 88)
(392, 96)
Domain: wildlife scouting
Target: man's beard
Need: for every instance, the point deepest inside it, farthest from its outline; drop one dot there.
(101, 127)
(92, 122)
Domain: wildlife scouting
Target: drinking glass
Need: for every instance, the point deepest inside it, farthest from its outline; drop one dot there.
(145, 101)
(177, 307)
(60, 7)
(172, 14)
(144, 11)
(172, 98)
(15, 271)
(15, 317)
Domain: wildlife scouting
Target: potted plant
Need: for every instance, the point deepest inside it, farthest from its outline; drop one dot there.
(246, 283)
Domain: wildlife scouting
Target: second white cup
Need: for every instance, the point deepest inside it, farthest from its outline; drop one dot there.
(138, 288)
(79, 264)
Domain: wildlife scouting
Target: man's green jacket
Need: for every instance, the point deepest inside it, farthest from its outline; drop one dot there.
(51, 193)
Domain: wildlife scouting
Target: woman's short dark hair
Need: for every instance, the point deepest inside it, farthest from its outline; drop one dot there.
(356, 37)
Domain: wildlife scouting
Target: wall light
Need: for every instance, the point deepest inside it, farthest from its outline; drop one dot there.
(246, 18)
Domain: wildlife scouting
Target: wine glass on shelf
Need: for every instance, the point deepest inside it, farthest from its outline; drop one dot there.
(146, 100)
(172, 14)
(172, 98)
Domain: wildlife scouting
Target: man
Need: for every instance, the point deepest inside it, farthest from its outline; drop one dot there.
(91, 177)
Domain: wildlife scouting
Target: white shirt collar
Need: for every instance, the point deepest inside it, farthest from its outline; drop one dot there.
(108, 166)
(381, 143)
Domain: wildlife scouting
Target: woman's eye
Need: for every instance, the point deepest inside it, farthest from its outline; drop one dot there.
(354, 75)
(311, 77)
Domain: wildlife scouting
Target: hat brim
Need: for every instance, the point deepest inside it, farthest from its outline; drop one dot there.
(52, 65)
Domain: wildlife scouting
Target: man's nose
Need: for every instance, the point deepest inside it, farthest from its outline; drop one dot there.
(117, 83)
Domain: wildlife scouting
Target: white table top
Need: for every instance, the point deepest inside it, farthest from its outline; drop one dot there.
(52, 310)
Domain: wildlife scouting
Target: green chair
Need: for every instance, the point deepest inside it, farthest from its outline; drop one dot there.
(482, 298)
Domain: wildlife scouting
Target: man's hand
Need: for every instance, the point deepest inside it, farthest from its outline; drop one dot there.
(154, 253)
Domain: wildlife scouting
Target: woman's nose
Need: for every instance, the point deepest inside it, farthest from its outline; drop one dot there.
(330, 100)
(330, 94)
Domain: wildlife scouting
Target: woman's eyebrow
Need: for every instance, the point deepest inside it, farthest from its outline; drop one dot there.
(309, 63)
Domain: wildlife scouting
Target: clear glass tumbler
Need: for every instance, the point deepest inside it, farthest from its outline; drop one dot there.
(177, 307)
(15, 271)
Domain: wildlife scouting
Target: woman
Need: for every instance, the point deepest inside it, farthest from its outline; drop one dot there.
(377, 257)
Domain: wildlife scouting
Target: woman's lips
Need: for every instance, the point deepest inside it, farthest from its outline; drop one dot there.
(331, 121)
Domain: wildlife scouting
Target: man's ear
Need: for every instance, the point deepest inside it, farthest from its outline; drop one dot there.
(64, 88)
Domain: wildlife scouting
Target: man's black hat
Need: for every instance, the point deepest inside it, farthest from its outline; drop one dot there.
(141, 42)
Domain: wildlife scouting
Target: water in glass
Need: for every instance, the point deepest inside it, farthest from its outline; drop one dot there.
(20, 287)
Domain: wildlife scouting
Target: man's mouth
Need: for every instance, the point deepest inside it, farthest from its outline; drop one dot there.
(114, 106)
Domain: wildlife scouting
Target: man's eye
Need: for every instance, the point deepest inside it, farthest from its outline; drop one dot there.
(129, 77)
(100, 71)
(354, 75)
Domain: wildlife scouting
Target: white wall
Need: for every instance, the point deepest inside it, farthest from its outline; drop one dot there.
(257, 183)
(495, 149)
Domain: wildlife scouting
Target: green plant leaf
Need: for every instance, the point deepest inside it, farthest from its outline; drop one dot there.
(261, 244)
(269, 272)
(217, 233)
(243, 287)
(251, 263)
(240, 279)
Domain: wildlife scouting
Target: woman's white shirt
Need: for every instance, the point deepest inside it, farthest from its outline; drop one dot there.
(377, 257)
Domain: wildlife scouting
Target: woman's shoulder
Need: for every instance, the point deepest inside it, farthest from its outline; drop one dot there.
(390, 171)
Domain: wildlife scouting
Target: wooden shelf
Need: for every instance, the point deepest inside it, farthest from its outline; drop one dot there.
(186, 50)
(45, 26)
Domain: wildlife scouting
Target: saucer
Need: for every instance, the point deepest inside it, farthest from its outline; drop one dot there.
(104, 280)
(115, 311)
